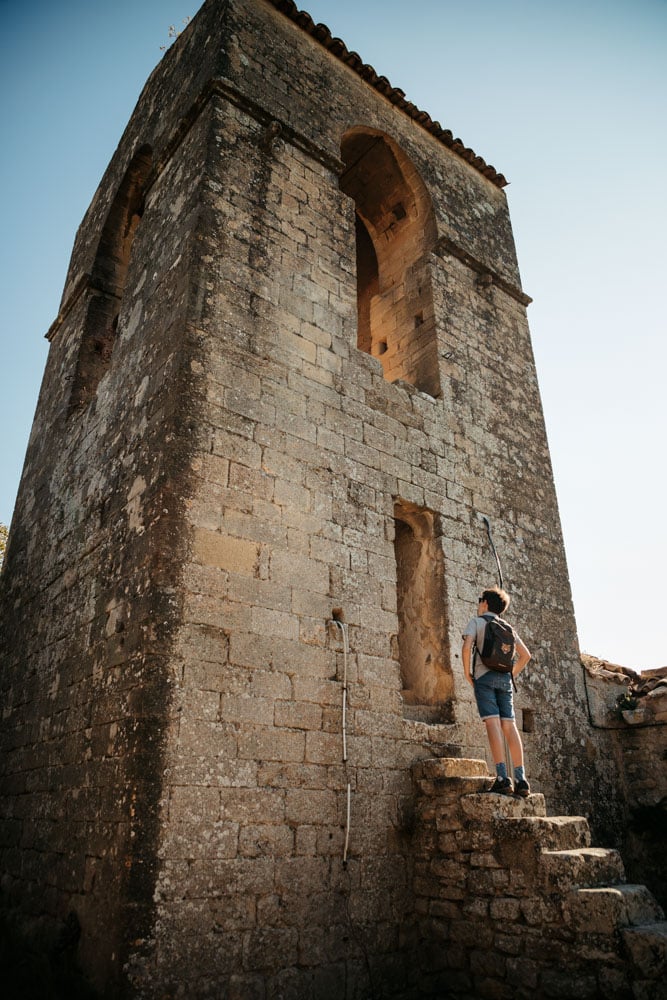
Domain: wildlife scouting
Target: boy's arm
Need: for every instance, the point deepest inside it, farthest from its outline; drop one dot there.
(522, 658)
(466, 656)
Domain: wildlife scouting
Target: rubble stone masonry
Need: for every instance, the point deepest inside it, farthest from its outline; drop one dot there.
(290, 373)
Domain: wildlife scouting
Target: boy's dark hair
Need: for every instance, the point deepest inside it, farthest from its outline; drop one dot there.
(498, 600)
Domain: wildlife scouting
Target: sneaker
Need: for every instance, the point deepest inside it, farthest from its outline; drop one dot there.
(522, 789)
(501, 786)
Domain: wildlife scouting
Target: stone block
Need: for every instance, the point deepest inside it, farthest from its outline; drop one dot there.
(270, 949)
(488, 964)
(445, 909)
(253, 481)
(233, 447)
(434, 768)
(604, 910)
(298, 715)
(539, 911)
(582, 867)
(330, 980)
(306, 838)
(205, 839)
(272, 744)
(505, 910)
(509, 944)
(252, 806)
(647, 947)
(238, 555)
(568, 985)
(553, 832)
(192, 805)
(615, 981)
(314, 689)
(312, 806)
(483, 860)
(251, 987)
(479, 840)
(487, 882)
(294, 570)
(474, 934)
(296, 877)
(256, 841)
(476, 908)
(240, 709)
(274, 624)
(487, 808)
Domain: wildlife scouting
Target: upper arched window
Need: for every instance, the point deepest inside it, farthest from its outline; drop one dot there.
(108, 278)
(395, 234)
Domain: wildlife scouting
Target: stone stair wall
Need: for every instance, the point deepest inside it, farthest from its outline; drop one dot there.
(514, 903)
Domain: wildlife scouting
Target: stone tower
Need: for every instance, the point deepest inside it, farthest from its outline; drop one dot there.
(290, 375)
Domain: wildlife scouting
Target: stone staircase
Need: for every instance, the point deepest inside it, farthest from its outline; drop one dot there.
(515, 904)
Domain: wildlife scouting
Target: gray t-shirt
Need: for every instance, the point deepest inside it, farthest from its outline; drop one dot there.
(476, 628)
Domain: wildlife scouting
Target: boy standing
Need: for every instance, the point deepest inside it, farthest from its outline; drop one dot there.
(493, 693)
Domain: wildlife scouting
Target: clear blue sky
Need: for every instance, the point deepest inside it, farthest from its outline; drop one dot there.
(567, 99)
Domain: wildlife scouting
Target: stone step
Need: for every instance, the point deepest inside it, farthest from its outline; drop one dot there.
(489, 807)
(647, 947)
(438, 768)
(605, 909)
(450, 790)
(581, 867)
(555, 833)
(450, 777)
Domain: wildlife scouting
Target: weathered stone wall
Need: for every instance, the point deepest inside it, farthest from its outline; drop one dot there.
(90, 586)
(174, 747)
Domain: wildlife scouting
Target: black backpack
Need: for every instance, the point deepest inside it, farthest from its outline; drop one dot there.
(499, 648)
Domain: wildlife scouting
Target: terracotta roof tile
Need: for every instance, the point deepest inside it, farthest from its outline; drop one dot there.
(337, 47)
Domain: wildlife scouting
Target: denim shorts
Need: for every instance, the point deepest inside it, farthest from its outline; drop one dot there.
(493, 694)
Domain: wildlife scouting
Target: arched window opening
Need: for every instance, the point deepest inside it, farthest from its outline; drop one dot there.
(367, 285)
(395, 234)
(422, 619)
(108, 279)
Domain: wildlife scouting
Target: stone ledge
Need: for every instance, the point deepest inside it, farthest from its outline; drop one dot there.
(602, 910)
(439, 768)
(582, 867)
(487, 807)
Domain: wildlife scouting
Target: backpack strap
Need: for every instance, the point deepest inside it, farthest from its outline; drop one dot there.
(490, 617)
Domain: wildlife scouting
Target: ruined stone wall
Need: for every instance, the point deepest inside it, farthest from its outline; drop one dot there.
(235, 484)
(641, 752)
(629, 715)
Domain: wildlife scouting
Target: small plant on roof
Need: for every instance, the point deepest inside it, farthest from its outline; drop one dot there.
(4, 531)
(174, 32)
(626, 702)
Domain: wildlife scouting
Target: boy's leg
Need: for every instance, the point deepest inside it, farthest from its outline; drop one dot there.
(513, 737)
(486, 697)
(503, 783)
(495, 735)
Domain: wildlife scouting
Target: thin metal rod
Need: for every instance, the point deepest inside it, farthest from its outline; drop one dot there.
(347, 826)
(343, 629)
(493, 547)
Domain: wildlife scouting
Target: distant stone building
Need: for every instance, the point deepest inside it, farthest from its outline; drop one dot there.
(290, 377)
